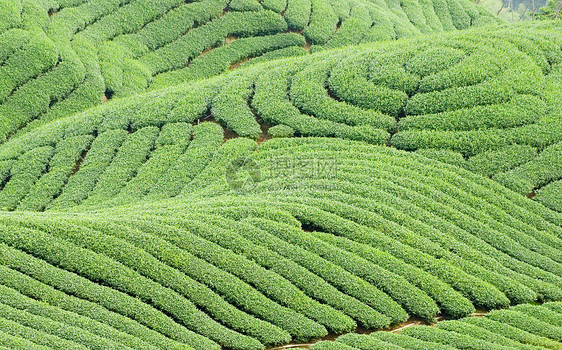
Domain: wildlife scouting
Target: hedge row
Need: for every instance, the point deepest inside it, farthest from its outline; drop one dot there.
(490, 163)
(272, 104)
(108, 298)
(468, 333)
(312, 276)
(243, 296)
(521, 110)
(126, 19)
(178, 53)
(478, 291)
(36, 56)
(66, 155)
(220, 59)
(50, 333)
(24, 173)
(534, 174)
(207, 138)
(298, 14)
(114, 244)
(130, 156)
(380, 225)
(19, 301)
(512, 332)
(550, 196)
(308, 93)
(171, 26)
(100, 267)
(353, 28)
(414, 301)
(270, 284)
(513, 289)
(231, 109)
(98, 158)
(323, 22)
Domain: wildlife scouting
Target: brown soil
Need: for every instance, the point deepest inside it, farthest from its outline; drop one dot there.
(239, 63)
(264, 132)
(307, 46)
(395, 329)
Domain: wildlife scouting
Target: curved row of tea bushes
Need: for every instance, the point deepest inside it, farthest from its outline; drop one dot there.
(66, 155)
(220, 59)
(536, 173)
(493, 162)
(81, 50)
(273, 105)
(550, 196)
(467, 333)
(222, 282)
(181, 51)
(11, 297)
(38, 279)
(385, 239)
(165, 275)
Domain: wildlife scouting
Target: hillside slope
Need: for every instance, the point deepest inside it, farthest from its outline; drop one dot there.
(77, 53)
(267, 172)
(484, 99)
(371, 237)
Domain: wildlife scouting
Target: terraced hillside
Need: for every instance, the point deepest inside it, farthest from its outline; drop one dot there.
(394, 235)
(77, 52)
(254, 178)
(521, 327)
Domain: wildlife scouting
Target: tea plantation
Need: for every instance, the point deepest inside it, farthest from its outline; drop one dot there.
(247, 174)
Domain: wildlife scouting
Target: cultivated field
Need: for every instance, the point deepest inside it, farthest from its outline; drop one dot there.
(246, 174)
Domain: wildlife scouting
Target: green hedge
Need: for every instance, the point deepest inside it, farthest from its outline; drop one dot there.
(24, 174)
(450, 301)
(111, 299)
(207, 138)
(243, 295)
(521, 110)
(323, 22)
(34, 58)
(272, 104)
(19, 301)
(490, 163)
(220, 59)
(113, 244)
(352, 29)
(98, 158)
(66, 156)
(550, 196)
(10, 12)
(178, 53)
(130, 156)
(99, 267)
(50, 333)
(514, 333)
(364, 342)
(527, 323)
(348, 81)
(453, 339)
(407, 342)
(308, 93)
(534, 174)
(326, 288)
(298, 14)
